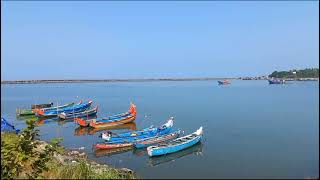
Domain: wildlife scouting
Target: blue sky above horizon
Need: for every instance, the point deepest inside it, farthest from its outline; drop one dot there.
(101, 39)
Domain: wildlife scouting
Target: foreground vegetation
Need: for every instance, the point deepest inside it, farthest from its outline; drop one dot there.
(24, 156)
(304, 73)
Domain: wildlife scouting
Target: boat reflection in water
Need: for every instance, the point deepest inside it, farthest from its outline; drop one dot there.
(109, 152)
(91, 131)
(157, 160)
(37, 121)
(64, 121)
(25, 118)
(140, 152)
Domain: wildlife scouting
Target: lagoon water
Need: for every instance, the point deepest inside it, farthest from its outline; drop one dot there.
(251, 129)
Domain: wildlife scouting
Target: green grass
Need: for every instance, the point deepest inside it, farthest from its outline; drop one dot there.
(9, 137)
(83, 171)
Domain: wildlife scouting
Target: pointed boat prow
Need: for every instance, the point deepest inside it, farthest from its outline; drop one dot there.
(199, 131)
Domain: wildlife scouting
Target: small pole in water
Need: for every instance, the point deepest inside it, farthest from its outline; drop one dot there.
(74, 116)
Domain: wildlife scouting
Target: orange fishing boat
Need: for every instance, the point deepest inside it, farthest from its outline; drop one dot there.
(114, 120)
(112, 146)
(90, 131)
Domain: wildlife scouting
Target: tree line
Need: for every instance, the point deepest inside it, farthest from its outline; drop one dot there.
(304, 73)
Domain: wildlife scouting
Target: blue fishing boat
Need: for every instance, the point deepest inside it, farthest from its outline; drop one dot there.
(136, 135)
(55, 107)
(157, 160)
(7, 127)
(86, 113)
(71, 109)
(155, 140)
(277, 81)
(176, 145)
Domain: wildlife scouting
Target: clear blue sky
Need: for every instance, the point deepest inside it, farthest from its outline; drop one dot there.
(72, 40)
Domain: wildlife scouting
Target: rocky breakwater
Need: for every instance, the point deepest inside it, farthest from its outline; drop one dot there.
(77, 155)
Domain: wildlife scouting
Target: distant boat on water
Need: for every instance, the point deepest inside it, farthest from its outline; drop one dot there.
(224, 82)
(277, 81)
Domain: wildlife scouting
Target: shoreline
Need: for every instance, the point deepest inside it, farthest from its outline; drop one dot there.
(108, 80)
(141, 80)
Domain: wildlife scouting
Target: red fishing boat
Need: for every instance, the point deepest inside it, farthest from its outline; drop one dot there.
(112, 146)
(224, 82)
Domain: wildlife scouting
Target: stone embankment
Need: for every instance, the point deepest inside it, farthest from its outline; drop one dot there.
(71, 156)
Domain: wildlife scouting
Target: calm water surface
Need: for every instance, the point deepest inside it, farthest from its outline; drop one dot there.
(251, 129)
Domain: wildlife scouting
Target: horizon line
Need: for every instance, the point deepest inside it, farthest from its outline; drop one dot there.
(111, 80)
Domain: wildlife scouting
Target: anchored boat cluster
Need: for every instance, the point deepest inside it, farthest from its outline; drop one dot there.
(157, 140)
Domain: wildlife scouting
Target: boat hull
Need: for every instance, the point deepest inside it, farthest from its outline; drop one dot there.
(90, 131)
(176, 145)
(156, 140)
(25, 112)
(71, 109)
(114, 120)
(223, 82)
(173, 149)
(98, 124)
(39, 106)
(55, 108)
(86, 113)
(137, 138)
(138, 135)
(112, 146)
(276, 81)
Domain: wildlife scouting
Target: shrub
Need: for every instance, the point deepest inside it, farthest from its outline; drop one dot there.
(19, 152)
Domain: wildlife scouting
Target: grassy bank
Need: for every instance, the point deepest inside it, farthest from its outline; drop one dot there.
(21, 158)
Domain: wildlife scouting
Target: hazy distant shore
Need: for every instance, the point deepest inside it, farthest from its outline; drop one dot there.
(143, 80)
(108, 80)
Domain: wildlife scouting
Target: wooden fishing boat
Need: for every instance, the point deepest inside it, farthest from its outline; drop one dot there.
(155, 140)
(114, 120)
(138, 135)
(39, 106)
(27, 112)
(90, 131)
(86, 113)
(124, 140)
(276, 81)
(176, 145)
(112, 145)
(130, 142)
(56, 107)
(224, 82)
(157, 160)
(53, 113)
